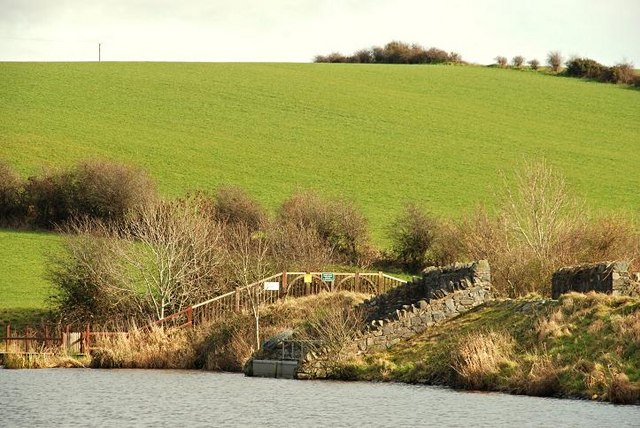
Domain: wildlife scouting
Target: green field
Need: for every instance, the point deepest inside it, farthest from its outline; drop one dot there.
(378, 134)
(23, 289)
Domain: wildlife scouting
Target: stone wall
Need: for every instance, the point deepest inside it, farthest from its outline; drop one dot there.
(605, 277)
(441, 293)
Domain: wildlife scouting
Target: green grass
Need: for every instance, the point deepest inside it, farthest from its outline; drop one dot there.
(23, 288)
(378, 134)
(573, 347)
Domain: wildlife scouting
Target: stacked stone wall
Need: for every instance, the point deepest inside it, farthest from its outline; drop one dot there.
(605, 277)
(441, 293)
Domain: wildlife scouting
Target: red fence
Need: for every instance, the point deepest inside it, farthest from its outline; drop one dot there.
(79, 340)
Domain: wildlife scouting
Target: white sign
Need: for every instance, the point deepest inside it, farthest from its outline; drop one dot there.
(272, 286)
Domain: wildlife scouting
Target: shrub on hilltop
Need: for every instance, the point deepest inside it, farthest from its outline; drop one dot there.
(394, 52)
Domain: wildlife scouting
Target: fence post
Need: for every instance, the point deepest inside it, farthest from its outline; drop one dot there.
(190, 316)
(380, 283)
(65, 338)
(283, 289)
(87, 333)
(46, 335)
(6, 338)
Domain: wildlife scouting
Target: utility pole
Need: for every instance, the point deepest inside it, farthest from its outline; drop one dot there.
(99, 49)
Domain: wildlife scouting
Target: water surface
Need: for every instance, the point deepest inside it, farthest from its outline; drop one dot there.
(117, 398)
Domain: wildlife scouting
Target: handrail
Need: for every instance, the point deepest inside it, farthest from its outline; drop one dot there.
(250, 287)
(206, 302)
(394, 278)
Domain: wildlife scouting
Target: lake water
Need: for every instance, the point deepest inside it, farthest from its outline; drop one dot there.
(121, 398)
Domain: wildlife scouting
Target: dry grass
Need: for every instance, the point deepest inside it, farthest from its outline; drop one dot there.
(628, 326)
(41, 358)
(622, 391)
(478, 358)
(542, 377)
(552, 327)
(43, 361)
(157, 348)
(584, 345)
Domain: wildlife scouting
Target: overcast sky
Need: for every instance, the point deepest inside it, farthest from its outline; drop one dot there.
(296, 30)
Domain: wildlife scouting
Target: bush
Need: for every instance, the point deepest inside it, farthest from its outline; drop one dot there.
(96, 189)
(394, 52)
(108, 190)
(554, 60)
(296, 247)
(437, 56)
(12, 210)
(534, 64)
(337, 222)
(233, 205)
(49, 198)
(501, 61)
(517, 61)
(412, 235)
(332, 57)
(363, 56)
(585, 67)
(81, 274)
(623, 73)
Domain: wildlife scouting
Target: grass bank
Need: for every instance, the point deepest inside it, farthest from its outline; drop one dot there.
(582, 346)
(221, 346)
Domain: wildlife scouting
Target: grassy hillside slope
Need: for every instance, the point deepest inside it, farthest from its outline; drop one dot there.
(378, 134)
(23, 289)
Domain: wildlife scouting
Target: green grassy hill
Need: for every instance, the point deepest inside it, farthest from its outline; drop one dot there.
(378, 134)
(23, 288)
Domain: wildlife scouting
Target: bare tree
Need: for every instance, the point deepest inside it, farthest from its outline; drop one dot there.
(248, 262)
(294, 246)
(517, 61)
(554, 59)
(534, 64)
(172, 251)
(501, 61)
(330, 331)
(536, 212)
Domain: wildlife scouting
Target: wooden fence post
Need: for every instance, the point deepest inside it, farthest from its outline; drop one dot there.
(86, 339)
(6, 338)
(65, 338)
(283, 289)
(46, 335)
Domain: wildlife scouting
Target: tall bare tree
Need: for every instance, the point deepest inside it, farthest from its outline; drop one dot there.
(173, 252)
(248, 262)
(538, 208)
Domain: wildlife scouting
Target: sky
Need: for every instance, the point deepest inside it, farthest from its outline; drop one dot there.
(297, 30)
